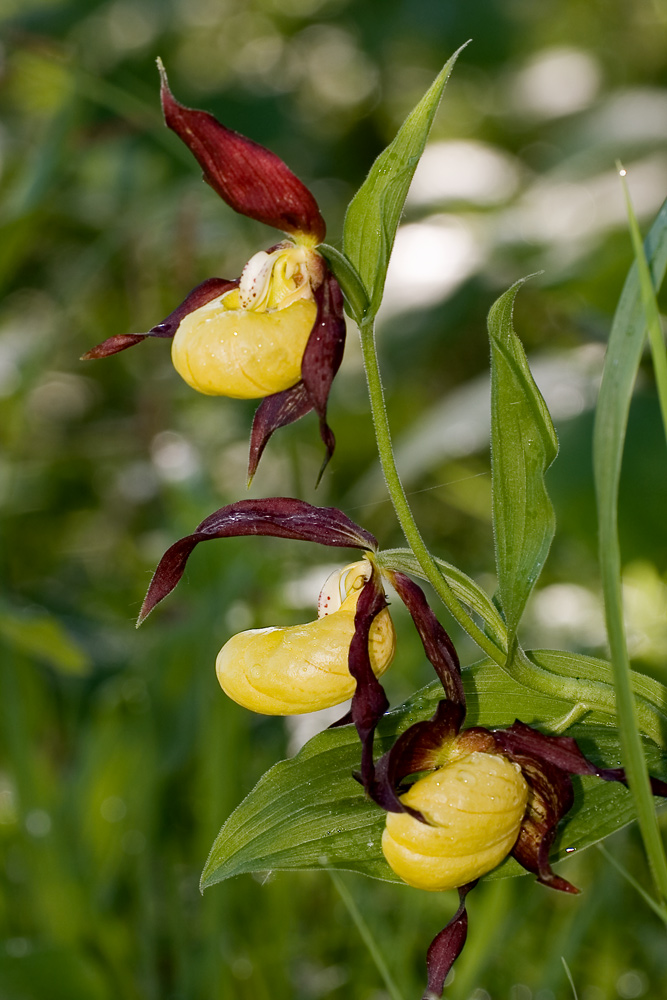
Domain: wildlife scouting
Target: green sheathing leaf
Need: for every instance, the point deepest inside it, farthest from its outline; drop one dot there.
(308, 812)
(465, 589)
(626, 342)
(523, 446)
(375, 211)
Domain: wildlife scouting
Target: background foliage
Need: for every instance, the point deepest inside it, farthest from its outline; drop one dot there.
(120, 758)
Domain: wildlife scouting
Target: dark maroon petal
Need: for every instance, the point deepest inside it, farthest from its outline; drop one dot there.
(344, 720)
(113, 345)
(369, 702)
(281, 517)
(417, 749)
(563, 752)
(199, 296)
(321, 361)
(210, 289)
(251, 179)
(437, 644)
(550, 796)
(447, 946)
(323, 356)
(273, 412)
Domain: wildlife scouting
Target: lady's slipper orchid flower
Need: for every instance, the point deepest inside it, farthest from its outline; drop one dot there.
(302, 668)
(487, 794)
(277, 333)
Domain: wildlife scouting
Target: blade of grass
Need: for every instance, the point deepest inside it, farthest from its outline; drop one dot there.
(660, 911)
(366, 934)
(649, 302)
(569, 978)
(626, 341)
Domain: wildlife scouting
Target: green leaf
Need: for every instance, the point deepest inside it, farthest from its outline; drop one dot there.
(523, 446)
(41, 636)
(375, 211)
(356, 301)
(465, 589)
(626, 342)
(308, 812)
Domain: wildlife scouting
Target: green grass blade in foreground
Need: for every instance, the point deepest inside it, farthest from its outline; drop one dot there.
(650, 304)
(308, 812)
(523, 446)
(624, 351)
(374, 213)
(366, 934)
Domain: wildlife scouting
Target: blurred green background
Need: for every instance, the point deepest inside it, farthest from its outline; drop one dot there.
(119, 755)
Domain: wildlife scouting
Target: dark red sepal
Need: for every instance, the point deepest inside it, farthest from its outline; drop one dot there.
(437, 644)
(550, 797)
(281, 517)
(564, 752)
(278, 410)
(323, 356)
(250, 178)
(447, 946)
(321, 360)
(369, 702)
(417, 749)
(199, 296)
(113, 345)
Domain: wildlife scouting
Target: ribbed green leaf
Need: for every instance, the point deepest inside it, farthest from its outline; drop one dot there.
(308, 812)
(523, 446)
(466, 590)
(374, 213)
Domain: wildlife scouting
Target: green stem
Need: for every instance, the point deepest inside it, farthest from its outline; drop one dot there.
(593, 695)
(366, 934)
(400, 501)
(577, 712)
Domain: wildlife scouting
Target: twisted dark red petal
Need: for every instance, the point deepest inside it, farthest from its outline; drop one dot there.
(564, 752)
(281, 517)
(250, 178)
(369, 702)
(278, 410)
(550, 798)
(437, 644)
(199, 296)
(321, 360)
(417, 749)
(447, 946)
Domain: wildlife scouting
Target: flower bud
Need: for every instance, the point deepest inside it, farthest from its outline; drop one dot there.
(249, 342)
(473, 807)
(303, 668)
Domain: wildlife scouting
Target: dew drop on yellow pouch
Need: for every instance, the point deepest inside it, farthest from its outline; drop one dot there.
(473, 805)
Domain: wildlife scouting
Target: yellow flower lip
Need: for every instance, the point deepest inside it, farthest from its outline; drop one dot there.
(304, 668)
(473, 807)
(249, 342)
